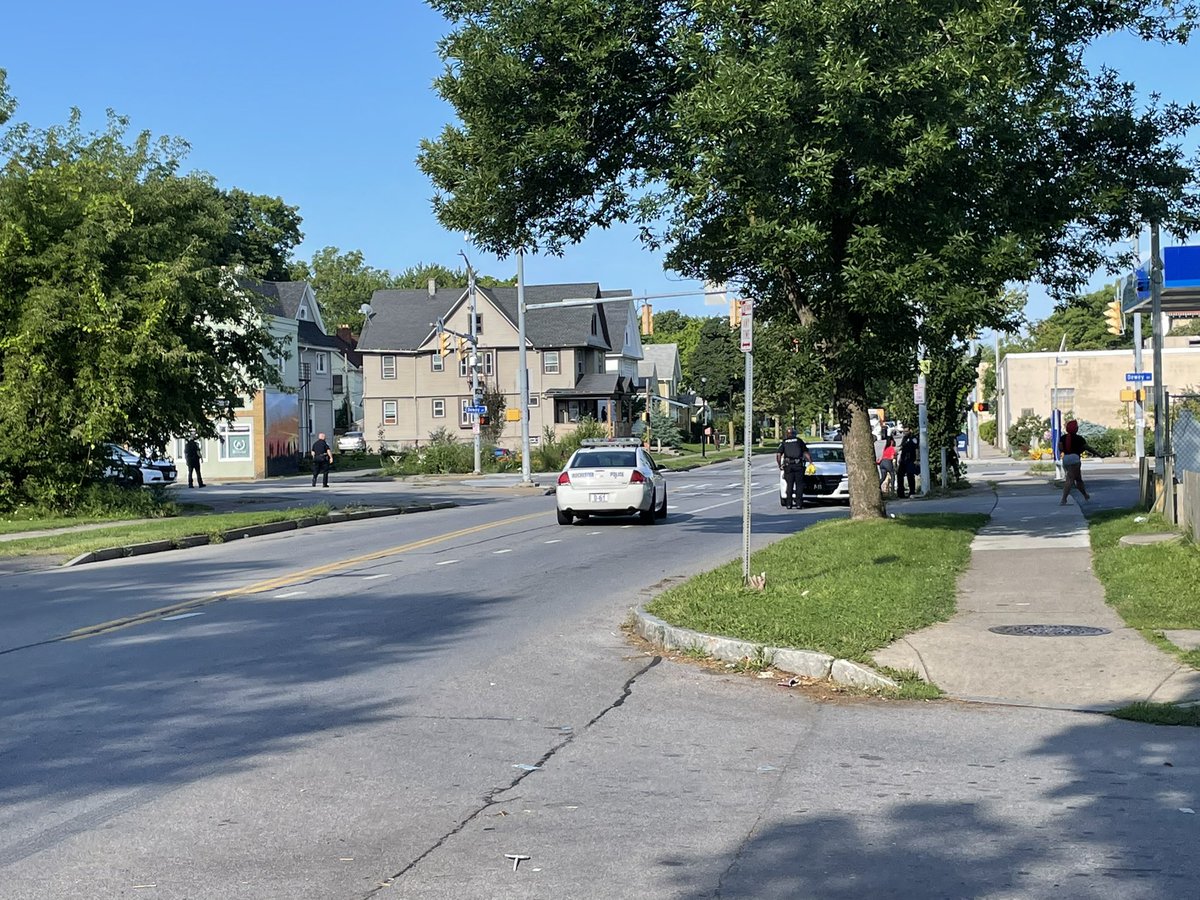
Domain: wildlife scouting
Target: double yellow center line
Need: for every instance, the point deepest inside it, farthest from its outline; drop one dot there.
(272, 584)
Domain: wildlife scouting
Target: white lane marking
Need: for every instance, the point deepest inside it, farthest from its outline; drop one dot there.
(287, 594)
(181, 616)
(447, 562)
(372, 577)
(555, 541)
(498, 552)
(735, 484)
(592, 532)
(727, 502)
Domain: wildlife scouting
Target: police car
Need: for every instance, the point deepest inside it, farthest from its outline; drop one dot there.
(613, 477)
(825, 477)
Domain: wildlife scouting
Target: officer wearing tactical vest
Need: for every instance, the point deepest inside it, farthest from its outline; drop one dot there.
(791, 457)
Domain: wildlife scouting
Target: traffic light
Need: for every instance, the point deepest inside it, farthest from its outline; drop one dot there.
(443, 343)
(735, 314)
(981, 407)
(483, 419)
(462, 345)
(1114, 317)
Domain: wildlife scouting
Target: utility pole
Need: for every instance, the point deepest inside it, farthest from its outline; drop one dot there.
(473, 364)
(1156, 338)
(523, 375)
(1139, 394)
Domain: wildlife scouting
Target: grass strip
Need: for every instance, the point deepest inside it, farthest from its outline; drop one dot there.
(76, 542)
(1152, 587)
(1159, 714)
(841, 587)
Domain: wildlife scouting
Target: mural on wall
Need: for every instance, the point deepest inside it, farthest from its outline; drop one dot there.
(283, 433)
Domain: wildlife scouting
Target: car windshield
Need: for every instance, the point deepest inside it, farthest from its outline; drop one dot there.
(827, 454)
(353, 434)
(605, 459)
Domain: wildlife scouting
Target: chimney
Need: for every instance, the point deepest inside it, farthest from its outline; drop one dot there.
(432, 288)
(647, 319)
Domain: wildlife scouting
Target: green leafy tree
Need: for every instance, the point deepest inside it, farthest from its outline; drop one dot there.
(262, 232)
(495, 402)
(789, 382)
(343, 282)
(417, 277)
(663, 430)
(861, 167)
(120, 319)
(1081, 321)
(717, 363)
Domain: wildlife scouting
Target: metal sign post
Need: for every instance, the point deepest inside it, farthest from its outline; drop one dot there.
(923, 421)
(747, 346)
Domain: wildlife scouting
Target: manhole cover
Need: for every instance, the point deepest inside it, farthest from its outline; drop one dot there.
(1050, 630)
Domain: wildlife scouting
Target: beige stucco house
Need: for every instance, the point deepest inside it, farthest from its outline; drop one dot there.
(582, 361)
(1089, 383)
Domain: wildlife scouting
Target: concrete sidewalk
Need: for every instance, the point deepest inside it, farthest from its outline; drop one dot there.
(1032, 564)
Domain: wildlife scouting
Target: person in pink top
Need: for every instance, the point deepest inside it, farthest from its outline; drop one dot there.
(887, 465)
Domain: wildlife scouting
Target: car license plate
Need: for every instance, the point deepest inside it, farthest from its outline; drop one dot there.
(597, 498)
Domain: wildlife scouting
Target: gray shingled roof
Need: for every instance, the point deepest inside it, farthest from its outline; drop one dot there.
(283, 297)
(310, 335)
(663, 356)
(596, 384)
(400, 320)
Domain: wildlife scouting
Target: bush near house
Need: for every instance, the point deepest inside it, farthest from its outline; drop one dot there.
(987, 431)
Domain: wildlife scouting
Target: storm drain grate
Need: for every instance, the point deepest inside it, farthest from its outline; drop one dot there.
(1050, 630)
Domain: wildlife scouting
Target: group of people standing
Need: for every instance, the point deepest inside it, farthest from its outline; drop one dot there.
(899, 464)
(321, 455)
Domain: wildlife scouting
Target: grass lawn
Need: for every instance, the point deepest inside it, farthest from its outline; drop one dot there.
(1159, 714)
(842, 587)
(1152, 587)
(45, 523)
(689, 455)
(76, 542)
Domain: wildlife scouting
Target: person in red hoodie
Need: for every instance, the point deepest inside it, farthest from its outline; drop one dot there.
(1070, 446)
(887, 465)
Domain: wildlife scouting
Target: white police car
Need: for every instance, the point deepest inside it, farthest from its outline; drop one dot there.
(825, 477)
(613, 477)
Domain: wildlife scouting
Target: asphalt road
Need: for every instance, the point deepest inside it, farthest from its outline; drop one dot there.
(387, 708)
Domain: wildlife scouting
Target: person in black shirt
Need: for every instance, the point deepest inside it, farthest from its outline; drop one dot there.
(791, 457)
(191, 454)
(908, 465)
(322, 457)
(1070, 445)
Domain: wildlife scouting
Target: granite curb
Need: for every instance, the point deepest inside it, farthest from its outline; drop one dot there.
(808, 663)
(248, 531)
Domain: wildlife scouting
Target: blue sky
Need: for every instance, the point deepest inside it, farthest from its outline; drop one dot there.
(324, 105)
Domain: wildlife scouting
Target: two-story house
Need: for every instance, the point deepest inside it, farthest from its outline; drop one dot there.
(659, 376)
(274, 428)
(411, 390)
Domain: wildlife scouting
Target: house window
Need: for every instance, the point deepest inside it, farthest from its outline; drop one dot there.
(439, 408)
(282, 363)
(550, 362)
(533, 400)
(322, 363)
(1027, 411)
(338, 384)
(388, 367)
(235, 441)
(479, 323)
(485, 357)
(464, 417)
(593, 323)
(436, 363)
(312, 414)
(390, 416)
(579, 365)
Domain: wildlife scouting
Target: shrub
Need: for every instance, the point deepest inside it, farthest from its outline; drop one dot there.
(446, 453)
(1026, 433)
(987, 431)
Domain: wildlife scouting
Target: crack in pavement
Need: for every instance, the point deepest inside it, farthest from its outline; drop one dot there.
(490, 798)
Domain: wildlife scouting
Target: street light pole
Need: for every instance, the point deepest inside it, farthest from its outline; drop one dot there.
(473, 365)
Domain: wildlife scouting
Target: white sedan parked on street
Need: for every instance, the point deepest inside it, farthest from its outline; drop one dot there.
(614, 477)
(825, 477)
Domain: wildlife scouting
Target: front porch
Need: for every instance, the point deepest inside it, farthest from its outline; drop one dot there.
(605, 397)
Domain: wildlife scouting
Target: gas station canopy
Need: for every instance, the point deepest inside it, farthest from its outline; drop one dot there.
(1181, 284)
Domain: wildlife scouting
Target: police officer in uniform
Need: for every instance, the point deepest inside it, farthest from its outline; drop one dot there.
(791, 457)
(322, 456)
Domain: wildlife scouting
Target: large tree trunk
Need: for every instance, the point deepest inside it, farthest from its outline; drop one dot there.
(866, 501)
